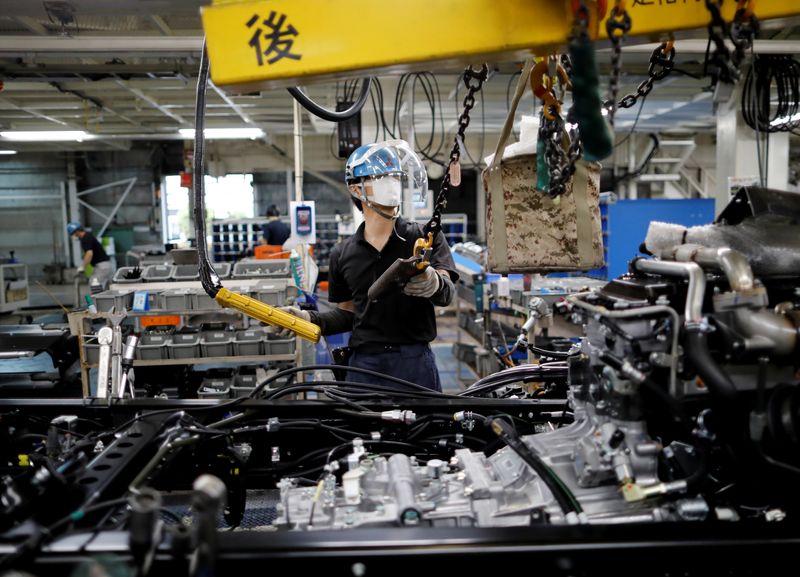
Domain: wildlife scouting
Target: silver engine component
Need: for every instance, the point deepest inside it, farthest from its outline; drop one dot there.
(607, 463)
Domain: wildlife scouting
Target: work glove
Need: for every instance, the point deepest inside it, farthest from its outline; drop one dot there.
(424, 285)
(299, 313)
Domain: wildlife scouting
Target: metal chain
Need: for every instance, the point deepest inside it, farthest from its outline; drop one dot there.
(721, 64)
(661, 63)
(473, 79)
(618, 25)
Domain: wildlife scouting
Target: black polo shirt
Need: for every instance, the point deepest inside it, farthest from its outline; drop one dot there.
(89, 242)
(396, 318)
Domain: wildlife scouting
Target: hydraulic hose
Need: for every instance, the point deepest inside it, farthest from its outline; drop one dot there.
(331, 115)
(208, 276)
(717, 380)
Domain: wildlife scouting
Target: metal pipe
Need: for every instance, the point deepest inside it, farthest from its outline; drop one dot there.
(732, 263)
(16, 354)
(693, 312)
(778, 329)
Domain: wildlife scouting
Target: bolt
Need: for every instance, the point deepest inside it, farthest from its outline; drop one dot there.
(359, 569)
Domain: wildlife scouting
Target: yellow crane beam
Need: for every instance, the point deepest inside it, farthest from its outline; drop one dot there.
(269, 43)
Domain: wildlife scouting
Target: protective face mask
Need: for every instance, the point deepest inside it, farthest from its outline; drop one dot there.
(387, 191)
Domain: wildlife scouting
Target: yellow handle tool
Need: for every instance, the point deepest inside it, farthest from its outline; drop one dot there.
(268, 314)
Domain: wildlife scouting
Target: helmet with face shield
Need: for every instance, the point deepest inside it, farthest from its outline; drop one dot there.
(382, 172)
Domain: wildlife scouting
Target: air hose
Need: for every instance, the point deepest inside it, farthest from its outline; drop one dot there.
(330, 115)
(208, 277)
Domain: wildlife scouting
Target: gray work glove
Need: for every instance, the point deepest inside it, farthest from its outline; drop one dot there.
(423, 285)
(299, 313)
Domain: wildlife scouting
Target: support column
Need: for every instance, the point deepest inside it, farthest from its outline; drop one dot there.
(738, 152)
(74, 210)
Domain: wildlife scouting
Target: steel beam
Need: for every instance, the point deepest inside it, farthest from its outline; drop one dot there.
(152, 102)
(255, 43)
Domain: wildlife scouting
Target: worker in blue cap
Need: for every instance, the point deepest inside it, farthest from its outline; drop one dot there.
(94, 254)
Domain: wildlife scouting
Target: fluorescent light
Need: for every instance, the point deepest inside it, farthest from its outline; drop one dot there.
(8, 151)
(220, 133)
(46, 135)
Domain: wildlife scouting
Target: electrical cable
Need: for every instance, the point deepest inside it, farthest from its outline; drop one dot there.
(208, 276)
(330, 115)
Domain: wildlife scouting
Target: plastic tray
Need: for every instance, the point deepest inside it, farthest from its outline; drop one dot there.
(280, 346)
(185, 272)
(202, 302)
(157, 272)
(264, 268)
(249, 342)
(153, 346)
(118, 299)
(175, 300)
(119, 275)
(243, 385)
(184, 346)
(214, 388)
(270, 293)
(217, 344)
(223, 269)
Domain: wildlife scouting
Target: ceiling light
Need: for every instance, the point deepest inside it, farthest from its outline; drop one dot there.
(8, 151)
(46, 135)
(227, 133)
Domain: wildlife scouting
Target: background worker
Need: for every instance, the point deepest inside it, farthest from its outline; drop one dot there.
(94, 254)
(275, 232)
(391, 335)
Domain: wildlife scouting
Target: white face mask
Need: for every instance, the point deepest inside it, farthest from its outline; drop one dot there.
(386, 190)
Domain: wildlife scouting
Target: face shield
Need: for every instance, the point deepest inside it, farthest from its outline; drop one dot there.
(394, 171)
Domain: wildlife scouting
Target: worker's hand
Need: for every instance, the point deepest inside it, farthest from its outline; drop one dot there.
(299, 313)
(423, 285)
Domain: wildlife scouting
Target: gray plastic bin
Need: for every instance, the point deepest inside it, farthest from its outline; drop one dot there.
(262, 268)
(202, 302)
(223, 269)
(217, 344)
(175, 300)
(157, 272)
(184, 346)
(153, 347)
(270, 293)
(118, 299)
(280, 346)
(217, 388)
(91, 351)
(185, 272)
(122, 272)
(249, 342)
(243, 385)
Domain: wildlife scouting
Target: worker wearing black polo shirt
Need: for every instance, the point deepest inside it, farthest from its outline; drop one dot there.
(391, 335)
(94, 254)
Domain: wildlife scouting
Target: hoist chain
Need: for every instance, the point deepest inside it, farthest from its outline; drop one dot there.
(661, 63)
(473, 79)
(618, 25)
(560, 162)
(720, 62)
(744, 28)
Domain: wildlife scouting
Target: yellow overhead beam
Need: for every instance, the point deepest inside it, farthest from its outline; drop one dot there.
(269, 43)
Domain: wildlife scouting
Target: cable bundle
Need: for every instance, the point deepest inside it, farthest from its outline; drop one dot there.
(769, 75)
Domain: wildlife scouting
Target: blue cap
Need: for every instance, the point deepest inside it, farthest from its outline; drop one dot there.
(73, 226)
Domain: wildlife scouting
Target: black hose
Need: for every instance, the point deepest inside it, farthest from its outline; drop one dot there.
(331, 115)
(208, 276)
(716, 379)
